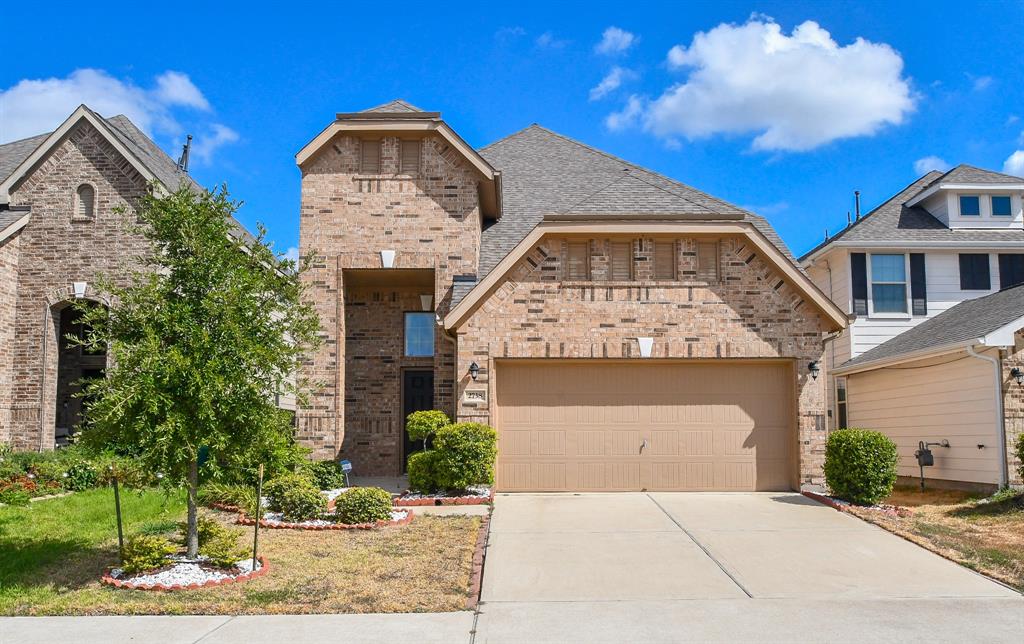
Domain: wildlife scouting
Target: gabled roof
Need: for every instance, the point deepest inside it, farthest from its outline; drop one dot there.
(13, 153)
(977, 321)
(11, 221)
(397, 105)
(896, 222)
(545, 173)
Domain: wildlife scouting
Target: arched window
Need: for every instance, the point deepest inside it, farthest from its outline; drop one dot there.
(85, 206)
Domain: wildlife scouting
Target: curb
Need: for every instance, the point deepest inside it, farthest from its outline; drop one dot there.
(245, 520)
(825, 500)
(128, 585)
(444, 500)
(476, 576)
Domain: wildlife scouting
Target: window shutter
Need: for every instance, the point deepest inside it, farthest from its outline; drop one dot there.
(410, 163)
(918, 286)
(620, 261)
(1011, 270)
(665, 260)
(577, 261)
(974, 272)
(86, 201)
(707, 260)
(859, 282)
(369, 156)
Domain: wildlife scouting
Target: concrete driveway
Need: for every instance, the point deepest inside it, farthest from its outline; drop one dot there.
(678, 566)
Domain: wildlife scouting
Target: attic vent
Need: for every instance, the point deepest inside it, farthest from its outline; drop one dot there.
(410, 162)
(369, 156)
(664, 260)
(85, 207)
(707, 260)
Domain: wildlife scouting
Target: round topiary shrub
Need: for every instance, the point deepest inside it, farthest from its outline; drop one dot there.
(363, 505)
(146, 552)
(860, 465)
(296, 497)
(421, 425)
(464, 455)
(420, 468)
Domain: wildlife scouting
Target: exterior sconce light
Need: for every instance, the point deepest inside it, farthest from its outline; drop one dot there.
(814, 369)
(79, 289)
(1018, 375)
(474, 370)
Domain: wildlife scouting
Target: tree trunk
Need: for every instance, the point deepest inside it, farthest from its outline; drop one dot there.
(192, 537)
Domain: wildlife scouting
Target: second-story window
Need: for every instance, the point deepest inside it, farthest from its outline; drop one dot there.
(577, 261)
(419, 334)
(707, 260)
(409, 162)
(664, 260)
(369, 156)
(1001, 206)
(974, 272)
(889, 283)
(620, 261)
(970, 206)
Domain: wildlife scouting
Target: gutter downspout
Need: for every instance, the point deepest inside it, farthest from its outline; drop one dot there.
(455, 371)
(1004, 475)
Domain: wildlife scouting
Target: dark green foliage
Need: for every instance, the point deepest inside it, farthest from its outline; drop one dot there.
(860, 465)
(464, 455)
(326, 475)
(363, 505)
(242, 497)
(72, 469)
(422, 425)
(421, 472)
(1020, 455)
(14, 495)
(295, 496)
(217, 543)
(146, 552)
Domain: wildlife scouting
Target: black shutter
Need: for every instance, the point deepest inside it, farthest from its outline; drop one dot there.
(974, 272)
(859, 279)
(918, 289)
(1011, 270)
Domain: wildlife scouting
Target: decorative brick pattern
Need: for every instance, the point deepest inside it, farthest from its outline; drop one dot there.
(749, 312)
(1013, 409)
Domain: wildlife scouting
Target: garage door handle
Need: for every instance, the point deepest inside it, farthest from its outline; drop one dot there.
(643, 445)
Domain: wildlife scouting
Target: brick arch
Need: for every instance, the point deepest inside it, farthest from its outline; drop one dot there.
(64, 294)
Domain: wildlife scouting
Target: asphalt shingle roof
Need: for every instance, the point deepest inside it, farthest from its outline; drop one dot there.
(397, 105)
(546, 173)
(966, 321)
(13, 153)
(8, 217)
(893, 221)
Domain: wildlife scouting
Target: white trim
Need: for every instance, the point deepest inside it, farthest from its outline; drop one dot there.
(866, 246)
(15, 227)
(1004, 473)
(57, 135)
(1003, 336)
(920, 354)
(897, 315)
(982, 187)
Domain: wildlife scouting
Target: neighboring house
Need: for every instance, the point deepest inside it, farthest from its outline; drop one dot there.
(943, 240)
(58, 232)
(621, 330)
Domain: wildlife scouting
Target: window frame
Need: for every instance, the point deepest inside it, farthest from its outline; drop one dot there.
(612, 243)
(704, 274)
(76, 207)
(405, 334)
(960, 204)
(960, 270)
(906, 313)
(1003, 285)
(362, 159)
(992, 205)
(401, 157)
(566, 269)
(673, 259)
(842, 403)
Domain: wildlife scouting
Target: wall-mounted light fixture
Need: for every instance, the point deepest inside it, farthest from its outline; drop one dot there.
(1018, 375)
(79, 289)
(814, 369)
(474, 370)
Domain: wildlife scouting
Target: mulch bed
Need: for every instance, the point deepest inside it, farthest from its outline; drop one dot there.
(127, 583)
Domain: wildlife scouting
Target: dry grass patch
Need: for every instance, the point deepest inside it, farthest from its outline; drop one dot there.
(985, 535)
(422, 567)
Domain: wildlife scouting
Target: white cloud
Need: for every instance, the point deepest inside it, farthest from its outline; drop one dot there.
(615, 41)
(793, 92)
(611, 82)
(205, 145)
(981, 82)
(35, 106)
(292, 253)
(547, 40)
(628, 116)
(929, 163)
(1014, 164)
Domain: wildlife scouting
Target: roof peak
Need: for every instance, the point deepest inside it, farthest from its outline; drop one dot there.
(395, 105)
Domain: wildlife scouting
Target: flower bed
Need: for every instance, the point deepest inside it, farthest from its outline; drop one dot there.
(477, 495)
(844, 506)
(274, 521)
(185, 575)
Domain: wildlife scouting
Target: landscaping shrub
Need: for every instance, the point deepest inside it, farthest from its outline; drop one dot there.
(14, 495)
(860, 465)
(217, 543)
(1020, 455)
(145, 552)
(242, 497)
(363, 505)
(326, 475)
(420, 468)
(422, 425)
(296, 497)
(464, 455)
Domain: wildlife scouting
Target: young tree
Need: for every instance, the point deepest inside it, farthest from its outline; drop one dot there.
(200, 341)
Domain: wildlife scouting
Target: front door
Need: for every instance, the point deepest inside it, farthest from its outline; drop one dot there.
(417, 395)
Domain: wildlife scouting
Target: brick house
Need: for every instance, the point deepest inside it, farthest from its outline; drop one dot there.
(621, 330)
(58, 232)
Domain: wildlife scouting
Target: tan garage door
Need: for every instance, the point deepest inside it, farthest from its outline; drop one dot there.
(578, 425)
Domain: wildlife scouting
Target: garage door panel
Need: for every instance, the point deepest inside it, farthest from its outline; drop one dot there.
(578, 425)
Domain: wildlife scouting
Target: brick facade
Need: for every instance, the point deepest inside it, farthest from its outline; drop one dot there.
(433, 222)
(8, 308)
(53, 251)
(748, 312)
(1013, 409)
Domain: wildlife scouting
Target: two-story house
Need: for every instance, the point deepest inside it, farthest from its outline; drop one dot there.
(621, 330)
(906, 365)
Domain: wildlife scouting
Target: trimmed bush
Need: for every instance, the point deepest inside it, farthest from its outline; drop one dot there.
(422, 425)
(217, 543)
(146, 552)
(363, 505)
(860, 465)
(326, 475)
(420, 468)
(464, 455)
(1020, 455)
(295, 496)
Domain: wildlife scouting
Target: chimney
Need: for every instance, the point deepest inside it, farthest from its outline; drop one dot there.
(183, 159)
(856, 199)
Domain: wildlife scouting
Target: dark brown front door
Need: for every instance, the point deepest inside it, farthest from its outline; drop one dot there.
(417, 395)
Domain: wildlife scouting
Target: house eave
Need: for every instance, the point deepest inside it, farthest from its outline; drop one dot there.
(973, 187)
(915, 245)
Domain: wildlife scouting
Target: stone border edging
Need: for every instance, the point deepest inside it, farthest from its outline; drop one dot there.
(825, 500)
(476, 575)
(127, 585)
(444, 500)
(245, 520)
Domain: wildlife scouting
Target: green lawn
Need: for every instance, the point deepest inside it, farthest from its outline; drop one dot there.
(59, 545)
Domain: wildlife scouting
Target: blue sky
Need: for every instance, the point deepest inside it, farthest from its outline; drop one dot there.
(762, 109)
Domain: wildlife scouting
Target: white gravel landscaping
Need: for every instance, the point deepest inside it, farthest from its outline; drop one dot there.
(185, 572)
(276, 518)
(477, 491)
